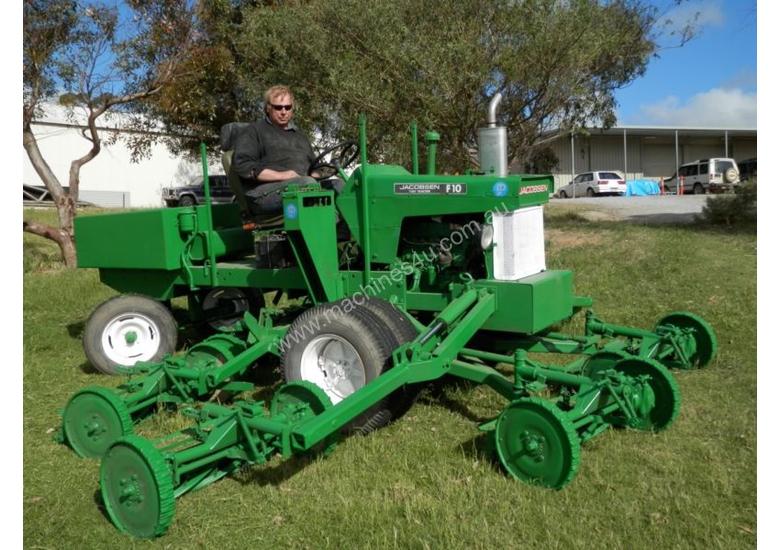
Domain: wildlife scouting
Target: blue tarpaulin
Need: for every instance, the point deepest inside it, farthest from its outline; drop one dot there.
(641, 188)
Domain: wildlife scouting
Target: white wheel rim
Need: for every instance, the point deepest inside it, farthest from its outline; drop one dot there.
(334, 365)
(129, 338)
(237, 298)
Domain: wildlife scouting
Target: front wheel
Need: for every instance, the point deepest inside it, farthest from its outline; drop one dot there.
(698, 189)
(127, 329)
(563, 195)
(341, 349)
(186, 200)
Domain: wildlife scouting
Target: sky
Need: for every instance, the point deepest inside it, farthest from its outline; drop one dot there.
(710, 81)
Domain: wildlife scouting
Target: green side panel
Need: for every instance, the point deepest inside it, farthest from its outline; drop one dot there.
(395, 194)
(226, 242)
(384, 284)
(225, 215)
(246, 274)
(310, 220)
(531, 304)
(144, 239)
(157, 284)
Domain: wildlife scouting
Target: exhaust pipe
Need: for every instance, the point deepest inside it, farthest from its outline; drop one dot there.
(491, 120)
(493, 143)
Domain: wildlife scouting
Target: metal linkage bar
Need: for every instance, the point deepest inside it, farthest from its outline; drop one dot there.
(94, 417)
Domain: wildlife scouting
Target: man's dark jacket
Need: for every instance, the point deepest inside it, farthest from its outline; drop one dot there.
(264, 145)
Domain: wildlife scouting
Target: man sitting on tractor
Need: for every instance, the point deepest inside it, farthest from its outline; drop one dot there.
(272, 153)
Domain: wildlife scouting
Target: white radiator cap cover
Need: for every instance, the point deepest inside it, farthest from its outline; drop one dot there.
(519, 243)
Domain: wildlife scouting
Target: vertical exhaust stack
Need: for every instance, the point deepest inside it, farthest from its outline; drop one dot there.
(492, 143)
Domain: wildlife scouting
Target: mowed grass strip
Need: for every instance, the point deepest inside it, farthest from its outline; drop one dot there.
(425, 482)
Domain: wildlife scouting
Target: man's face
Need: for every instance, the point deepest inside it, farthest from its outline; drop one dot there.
(280, 110)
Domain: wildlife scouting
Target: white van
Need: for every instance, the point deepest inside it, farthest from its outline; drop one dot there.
(705, 175)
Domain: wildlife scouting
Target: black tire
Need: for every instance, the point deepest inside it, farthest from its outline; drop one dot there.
(590, 192)
(235, 301)
(364, 331)
(698, 189)
(403, 331)
(563, 195)
(186, 200)
(119, 317)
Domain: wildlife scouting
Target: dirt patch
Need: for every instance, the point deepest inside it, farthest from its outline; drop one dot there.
(561, 239)
(598, 216)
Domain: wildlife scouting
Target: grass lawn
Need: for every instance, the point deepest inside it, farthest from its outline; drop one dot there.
(422, 482)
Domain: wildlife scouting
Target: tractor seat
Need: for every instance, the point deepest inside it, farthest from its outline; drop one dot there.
(252, 219)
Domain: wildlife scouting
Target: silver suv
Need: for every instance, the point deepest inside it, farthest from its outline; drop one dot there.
(705, 175)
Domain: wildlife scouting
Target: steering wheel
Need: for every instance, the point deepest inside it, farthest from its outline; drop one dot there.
(341, 156)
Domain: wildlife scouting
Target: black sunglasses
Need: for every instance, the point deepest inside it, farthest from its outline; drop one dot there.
(280, 107)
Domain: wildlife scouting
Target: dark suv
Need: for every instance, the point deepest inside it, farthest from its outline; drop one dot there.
(747, 169)
(187, 195)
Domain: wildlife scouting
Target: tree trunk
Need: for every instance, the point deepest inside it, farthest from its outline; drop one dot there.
(65, 203)
(62, 238)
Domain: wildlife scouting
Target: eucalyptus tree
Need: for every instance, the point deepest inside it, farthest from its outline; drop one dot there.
(94, 58)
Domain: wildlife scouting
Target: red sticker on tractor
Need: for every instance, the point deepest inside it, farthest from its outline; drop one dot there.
(533, 189)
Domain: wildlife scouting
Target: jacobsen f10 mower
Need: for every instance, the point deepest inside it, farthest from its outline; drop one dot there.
(399, 278)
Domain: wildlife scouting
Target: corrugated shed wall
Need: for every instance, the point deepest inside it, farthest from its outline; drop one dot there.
(607, 154)
(744, 149)
(595, 153)
(647, 156)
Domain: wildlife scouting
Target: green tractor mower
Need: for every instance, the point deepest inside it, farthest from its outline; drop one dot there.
(361, 295)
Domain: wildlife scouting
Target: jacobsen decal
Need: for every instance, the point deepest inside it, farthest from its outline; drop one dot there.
(430, 188)
(533, 189)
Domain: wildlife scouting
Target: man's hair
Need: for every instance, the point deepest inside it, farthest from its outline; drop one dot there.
(276, 91)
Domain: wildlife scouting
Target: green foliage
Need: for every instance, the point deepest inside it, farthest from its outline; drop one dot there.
(542, 161)
(47, 26)
(557, 64)
(739, 209)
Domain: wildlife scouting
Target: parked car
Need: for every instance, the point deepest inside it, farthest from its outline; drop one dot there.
(747, 169)
(591, 184)
(705, 175)
(187, 195)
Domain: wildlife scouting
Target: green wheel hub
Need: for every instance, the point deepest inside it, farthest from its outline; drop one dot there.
(702, 336)
(666, 405)
(137, 487)
(537, 443)
(300, 400)
(94, 418)
(602, 361)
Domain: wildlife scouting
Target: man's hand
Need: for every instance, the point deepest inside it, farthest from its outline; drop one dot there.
(274, 175)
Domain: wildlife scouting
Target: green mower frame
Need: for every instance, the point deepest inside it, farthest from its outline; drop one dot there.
(403, 278)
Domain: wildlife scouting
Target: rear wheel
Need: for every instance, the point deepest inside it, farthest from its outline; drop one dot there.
(698, 189)
(341, 347)
(127, 329)
(403, 331)
(590, 192)
(223, 307)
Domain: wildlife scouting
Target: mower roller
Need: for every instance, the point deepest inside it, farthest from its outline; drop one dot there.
(398, 279)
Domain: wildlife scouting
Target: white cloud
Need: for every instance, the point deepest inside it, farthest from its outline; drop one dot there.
(718, 107)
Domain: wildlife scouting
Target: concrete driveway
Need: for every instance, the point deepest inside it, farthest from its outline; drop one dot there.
(652, 209)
